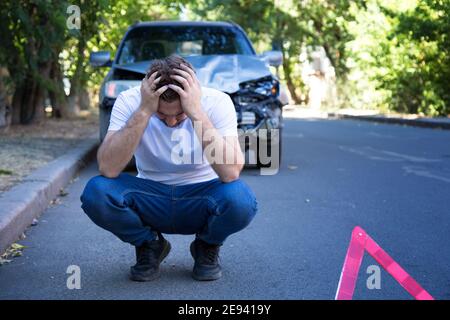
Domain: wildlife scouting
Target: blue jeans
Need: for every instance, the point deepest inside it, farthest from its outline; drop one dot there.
(134, 209)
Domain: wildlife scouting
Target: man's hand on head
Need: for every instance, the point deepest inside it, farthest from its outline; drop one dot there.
(191, 93)
(149, 94)
(190, 97)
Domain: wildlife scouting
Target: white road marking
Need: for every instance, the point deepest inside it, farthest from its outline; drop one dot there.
(383, 155)
(423, 172)
(292, 135)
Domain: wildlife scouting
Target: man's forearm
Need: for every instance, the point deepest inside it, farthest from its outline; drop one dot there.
(208, 134)
(114, 154)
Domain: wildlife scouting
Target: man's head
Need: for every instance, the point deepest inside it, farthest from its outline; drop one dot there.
(169, 110)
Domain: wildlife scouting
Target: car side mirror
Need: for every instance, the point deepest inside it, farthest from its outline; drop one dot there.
(100, 59)
(273, 57)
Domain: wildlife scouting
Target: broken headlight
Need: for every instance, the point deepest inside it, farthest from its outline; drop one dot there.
(256, 101)
(263, 87)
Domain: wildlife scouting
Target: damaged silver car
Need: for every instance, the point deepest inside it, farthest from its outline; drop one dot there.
(224, 59)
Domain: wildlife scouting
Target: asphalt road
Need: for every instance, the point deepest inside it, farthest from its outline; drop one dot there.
(391, 180)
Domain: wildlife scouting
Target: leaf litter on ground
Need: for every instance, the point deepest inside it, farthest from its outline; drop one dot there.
(14, 251)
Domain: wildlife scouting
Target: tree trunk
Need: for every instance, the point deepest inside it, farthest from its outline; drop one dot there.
(32, 108)
(73, 105)
(5, 101)
(29, 98)
(84, 99)
(78, 98)
(5, 114)
(57, 96)
(16, 105)
(290, 84)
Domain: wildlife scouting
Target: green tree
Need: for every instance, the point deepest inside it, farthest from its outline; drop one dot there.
(38, 50)
(104, 25)
(287, 25)
(399, 57)
(32, 37)
(428, 28)
(391, 55)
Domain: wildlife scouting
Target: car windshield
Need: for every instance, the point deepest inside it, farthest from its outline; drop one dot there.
(148, 43)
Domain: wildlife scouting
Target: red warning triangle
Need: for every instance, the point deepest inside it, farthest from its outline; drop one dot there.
(359, 242)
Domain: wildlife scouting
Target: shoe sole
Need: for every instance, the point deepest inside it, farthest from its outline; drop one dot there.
(141, 278)
(210, 277)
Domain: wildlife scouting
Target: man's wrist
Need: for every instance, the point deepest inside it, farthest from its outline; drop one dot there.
(144, 112)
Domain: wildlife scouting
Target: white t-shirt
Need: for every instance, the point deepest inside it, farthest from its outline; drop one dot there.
(174, 155)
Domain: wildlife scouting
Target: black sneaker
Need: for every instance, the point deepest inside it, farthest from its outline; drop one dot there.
(206, 258)
(148, 258)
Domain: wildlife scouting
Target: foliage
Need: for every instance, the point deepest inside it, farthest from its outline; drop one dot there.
(390, 55)
(31, 40)
(399, 58)
(287, 25)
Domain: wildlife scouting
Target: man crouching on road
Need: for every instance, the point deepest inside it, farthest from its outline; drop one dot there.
(205, 197)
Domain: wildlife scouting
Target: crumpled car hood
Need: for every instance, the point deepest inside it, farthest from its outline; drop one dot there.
(222, 72)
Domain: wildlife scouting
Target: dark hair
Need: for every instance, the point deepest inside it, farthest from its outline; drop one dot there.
(165, 67)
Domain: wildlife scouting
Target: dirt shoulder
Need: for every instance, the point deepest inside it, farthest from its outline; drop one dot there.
(24, 148)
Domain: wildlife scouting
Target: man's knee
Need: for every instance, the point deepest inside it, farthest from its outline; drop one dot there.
(239, 202)
(95, 192)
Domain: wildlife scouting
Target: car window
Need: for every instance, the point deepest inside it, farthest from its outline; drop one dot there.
(148, 43)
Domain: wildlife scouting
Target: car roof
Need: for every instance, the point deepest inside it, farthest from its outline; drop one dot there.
(178, 23)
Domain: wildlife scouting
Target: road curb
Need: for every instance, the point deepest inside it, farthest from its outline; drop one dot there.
(443, 123)
(27, 200)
